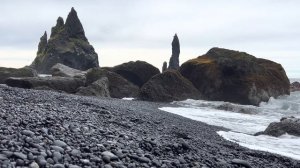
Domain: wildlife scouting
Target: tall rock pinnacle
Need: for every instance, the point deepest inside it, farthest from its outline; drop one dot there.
(42, 44)
(67, 45)
(164, 67)
(174, 60)
(73, 26)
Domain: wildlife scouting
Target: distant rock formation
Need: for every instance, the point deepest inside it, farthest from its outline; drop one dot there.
(138, 72)
(168, 86)
(174, 60)
(238, 77)
(67, 45)
(165, 67)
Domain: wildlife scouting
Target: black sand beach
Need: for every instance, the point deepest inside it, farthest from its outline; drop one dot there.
(53, 129)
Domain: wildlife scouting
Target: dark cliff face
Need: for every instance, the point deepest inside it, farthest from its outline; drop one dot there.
(67, 45)
(174, 60)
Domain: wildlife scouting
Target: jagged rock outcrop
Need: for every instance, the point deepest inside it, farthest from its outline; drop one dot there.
(42, 44)
(99, 88)
(5, 73)
(295, 86)
(237, 77)
(119, 87)
(168, 86)
(164, 67)
(287, 125)
(67, 45)
(64, 84)
(65, 71)
(138, 72)
(174, 60)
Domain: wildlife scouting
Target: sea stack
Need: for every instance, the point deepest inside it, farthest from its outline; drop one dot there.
(234, 76)
(67, 45)
(165, 66)
(174, 60)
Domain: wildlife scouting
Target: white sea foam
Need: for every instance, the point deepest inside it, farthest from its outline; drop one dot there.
(285, 145)
(44, 75)
(128, 98)
(244, 121)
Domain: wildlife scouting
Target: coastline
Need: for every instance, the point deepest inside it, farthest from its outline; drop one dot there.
(136, 132)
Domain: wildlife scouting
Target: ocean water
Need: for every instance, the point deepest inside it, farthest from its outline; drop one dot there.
(246, 120)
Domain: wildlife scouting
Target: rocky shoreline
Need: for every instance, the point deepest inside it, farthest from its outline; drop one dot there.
(48, 129)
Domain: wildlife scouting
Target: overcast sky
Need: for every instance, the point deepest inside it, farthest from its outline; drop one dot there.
(125, 30)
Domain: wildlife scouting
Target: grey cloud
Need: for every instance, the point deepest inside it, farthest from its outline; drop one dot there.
(256, 25)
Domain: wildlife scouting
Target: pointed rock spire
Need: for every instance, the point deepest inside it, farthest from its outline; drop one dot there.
(58, 27)
(174, 60)
(165, 66)
(67, 45)
(73, 26)
(42, 44)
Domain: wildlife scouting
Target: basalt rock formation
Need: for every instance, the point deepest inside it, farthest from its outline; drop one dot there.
(295, 86)
(168, 86)
(99, 88)
(164, 67)
(174, 60)
(287, 125)
(138, 72)
(5, 73)
(67, 45)
(238, 77)
(60, 84)
(119, 87)
(65, 71)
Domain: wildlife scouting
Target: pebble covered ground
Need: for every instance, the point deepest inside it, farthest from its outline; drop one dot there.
(50, 129)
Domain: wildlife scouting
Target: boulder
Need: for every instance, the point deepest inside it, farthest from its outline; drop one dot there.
(174, 60)
(67, 45)
(227, 75)
(138, 72)
(99, 88)
(289, 125)
(168, 86)
(65, 84)
(65, 71)
(295, 86)
(119, 87)
(5, 73)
